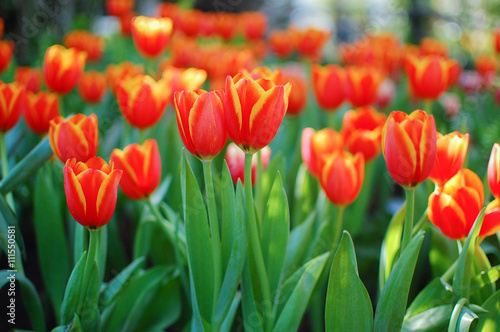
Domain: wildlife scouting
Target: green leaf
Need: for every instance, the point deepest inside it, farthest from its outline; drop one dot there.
(70, 302)
(390, 245)
(348, 305)
(228, 214)
(443, 252)
(462, 318)
(391, 306)
(491, 320)
(88, 311)
(52, 246)
(228, 322)
(199, 246)
(486, 278)
(436, 293)
(462, 276)
(161, 191)
(297, 245)
(8, 218)
(251, 316)
(434, 319)
(305, 193)
(296, 304)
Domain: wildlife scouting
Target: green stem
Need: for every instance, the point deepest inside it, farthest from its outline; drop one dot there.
(408, 227)
(337, 228)
(214, 230)
(89, 264)
(428, 103)
(5, 167)
(142, 135)
(421, 223)
(255, 244)
(259, 201)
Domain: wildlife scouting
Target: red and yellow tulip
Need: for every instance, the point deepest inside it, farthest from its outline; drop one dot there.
(92, 87)
(428, 75)
(62, 68)
(12, 104)
(316, 145)
(41, 108)
(151, 35)
(31, 78)
(328, 85)
(362, 85)
(494, 171)
(6, 52)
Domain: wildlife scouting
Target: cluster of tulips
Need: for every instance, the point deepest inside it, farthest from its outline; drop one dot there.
(261, 241)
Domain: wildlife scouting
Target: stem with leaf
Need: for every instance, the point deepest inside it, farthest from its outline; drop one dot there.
(408, 226)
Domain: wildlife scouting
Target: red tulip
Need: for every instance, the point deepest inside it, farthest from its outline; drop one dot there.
(428, 75)
(362, 85)
(494, 171)
(316, 145)
(6, 52)
(450, 156)
(12, 104)
(92, 87)
(31, 78)
(41, 108)
(115, 73)
(119, 7)
(491, 222)
(62, 68)
(151, 35)
(86, 41)
(254, 25)
(282, 43)
(328, 85)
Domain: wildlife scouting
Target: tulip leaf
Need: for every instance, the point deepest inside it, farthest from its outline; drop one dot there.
(70, 302)
(199, 246)
(348, 305)
(228, 214)
(8, 221)
(297, 245)
(462, 276)
(486, 278)
(305, 193)
(228, 322)
(161, 191)
(443, 252)
(252, 319)
(143, 235)
(491, 320)
(462, 318)
(436, 293)
(392, 302)
(434, 319)
(88, 311)
(52, 246)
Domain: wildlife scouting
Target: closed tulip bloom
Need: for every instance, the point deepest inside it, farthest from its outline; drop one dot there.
(119, 8)
(342, 177)
(494, 171)
(362, 131)
(200, 118)
(91, 190)
(431, 46)
(92, 87)
(126, 23)
(116, 73)
(310, 42)
(151, 35)
(454, 209)
(6, 52)
(282, 43)
(76, 137)
(181, 79)
(254, 25)
(328, 86)
(409, 147)
(254, 110)
(450, 156)
(62, 68)
(362, 85)
(31, 78)
(428, 75)
(316, 145)
(226, 25)
(298, 95)
(235, 158)
(41, 108)
(491, 222)
(12, 104)
(86, 41)
(142, 100)
(141, 165)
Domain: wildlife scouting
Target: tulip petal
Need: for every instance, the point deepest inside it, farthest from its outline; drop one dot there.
(400, 154)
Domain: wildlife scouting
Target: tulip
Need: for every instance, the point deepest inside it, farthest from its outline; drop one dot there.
(431, 46)
(92, 87)
(142, 168)
(126, 23)
(200, 118)
(1, 26)
(226, 25)
(189, 22)
(496, 37)
(454, 209)
(235, 158)
(151, 35)
(62, 68)
(281, 43)
(41, 108)
(184, 79)
(115, 73)
(491, 222)
(85, 41)
(385, 94)
(428, 75)
(362, 131)
(12, 104)
(342, 177)
(275, 75)
(31, 78)
(142, 100)
(450, 156)
(362, 85)
(328, 85)
(494, 171)
(76, 137)
(486, 66)
(6, 52)
(254, 110)
(91, 190)
(254, 25)
(310, 42)
(119, 8)
(298, 95)
(316, 145)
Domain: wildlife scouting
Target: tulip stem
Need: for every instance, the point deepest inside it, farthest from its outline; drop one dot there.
(255, 244)
(89, 265)
(428, 103)
(421, 223)
(142, 135)
(214, 230)
(408, 227)
(5, 167)
(337, 228)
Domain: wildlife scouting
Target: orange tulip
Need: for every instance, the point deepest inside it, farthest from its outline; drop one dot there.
(316, 145)
(342, 177)
(76, 137)
(494, 171)
(92, 87)
(12, 104)
(200, 118)
(362, 131)
(41, 108)
(362, 85)
(115, 73)
(62, 68)
(181, 79)
(151, 35)
(254, 110)
(450, 156)
(142, 168)
(310, 42)
(31, 78)
(142, 100)
(91, 190)
(428, 75)
(86, 41)
(409, 147)
(328, 85)
(6, 52)
(281, 43)
(235, 158)
(254, 25)
(454, 209)
(119, 7)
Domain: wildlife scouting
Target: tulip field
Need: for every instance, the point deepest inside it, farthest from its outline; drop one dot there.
(203, 171)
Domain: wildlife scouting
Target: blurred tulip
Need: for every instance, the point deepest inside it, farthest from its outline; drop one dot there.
(496, 37)
(31, 78)
(362, 131)
(226, 25)
(200, 118)
(151, 35)
(190, 22)
(85, 41)
(62, 68)
(328, 85)
(115, 73)
(454, 71)
(431, 46)
(409, 147)
(282, 43)
(91, 190)
(41, 108)
(181, 79)
(310, 42)
(92, 86)
(6, 52)
(235, 158)
(1, 26)
(76, 137)
(254, 110)
(454, 209)
(486, 66)
(469, 81)
(254, 25)
(12, 104)
(275, 75)
(298, 94)
(494, 171)
(491, 222)
(126, 23)
(342, 177)
(450, 156)
(451, 104)
(385, 94)
(119, 7)
(316, 145)
(141, 165)
(142, 100)
(428, 76)
(362, 84)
